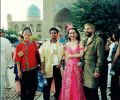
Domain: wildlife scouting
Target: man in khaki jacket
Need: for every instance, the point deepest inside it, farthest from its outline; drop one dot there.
(93, 61)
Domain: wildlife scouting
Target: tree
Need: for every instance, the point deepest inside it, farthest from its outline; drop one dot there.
(11, 35)
(104, 14)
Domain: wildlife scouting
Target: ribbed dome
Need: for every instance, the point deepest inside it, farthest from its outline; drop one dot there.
(33, 10)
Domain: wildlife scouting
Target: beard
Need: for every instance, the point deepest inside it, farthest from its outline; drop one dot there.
(88, 34)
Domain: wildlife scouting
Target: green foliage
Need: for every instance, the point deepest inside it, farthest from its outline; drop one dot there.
(10, 32)
(36, 37)
(11, 35)
(104, 14)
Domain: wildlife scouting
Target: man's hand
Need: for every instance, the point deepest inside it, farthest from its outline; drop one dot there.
(42, 71)
(58, 66)
(96, 75)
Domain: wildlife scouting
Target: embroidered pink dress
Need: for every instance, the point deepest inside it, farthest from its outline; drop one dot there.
(72, 83)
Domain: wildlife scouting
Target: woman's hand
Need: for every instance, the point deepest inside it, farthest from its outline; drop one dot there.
(68, 56)
(19, 74)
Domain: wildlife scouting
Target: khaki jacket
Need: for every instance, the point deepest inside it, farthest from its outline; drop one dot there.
(93, 59)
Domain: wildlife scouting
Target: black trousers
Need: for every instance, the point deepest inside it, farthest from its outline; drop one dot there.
(103, 86)
(115, 88)
(91, 94)
(28, 84)
(58, 81)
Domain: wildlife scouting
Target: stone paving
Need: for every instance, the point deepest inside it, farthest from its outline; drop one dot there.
(9, 94)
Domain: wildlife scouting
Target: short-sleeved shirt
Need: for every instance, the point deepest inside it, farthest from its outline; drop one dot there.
(48, 54)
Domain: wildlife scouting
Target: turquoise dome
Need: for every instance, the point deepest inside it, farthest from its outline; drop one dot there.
(33, 10)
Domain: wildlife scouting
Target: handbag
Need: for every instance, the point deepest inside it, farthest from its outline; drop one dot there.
(42, 81)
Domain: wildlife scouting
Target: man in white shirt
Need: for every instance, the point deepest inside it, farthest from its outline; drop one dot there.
(6, 60)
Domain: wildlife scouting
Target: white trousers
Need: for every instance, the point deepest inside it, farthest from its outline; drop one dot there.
(109, 76)
(3, 74)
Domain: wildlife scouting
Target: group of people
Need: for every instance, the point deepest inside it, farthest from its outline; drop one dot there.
(74, 82)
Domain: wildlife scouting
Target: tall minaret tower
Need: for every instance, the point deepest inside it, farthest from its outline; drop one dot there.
(9, 21)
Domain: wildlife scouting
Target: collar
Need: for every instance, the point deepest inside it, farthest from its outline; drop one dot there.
(92, 38)
(89, 38)
(26, 42)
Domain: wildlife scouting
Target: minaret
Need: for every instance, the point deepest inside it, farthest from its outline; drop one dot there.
(9, 21)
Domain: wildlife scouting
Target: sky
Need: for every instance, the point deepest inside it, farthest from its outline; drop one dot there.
(18, 9)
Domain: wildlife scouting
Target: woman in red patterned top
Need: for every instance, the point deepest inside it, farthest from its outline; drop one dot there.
(27, 63)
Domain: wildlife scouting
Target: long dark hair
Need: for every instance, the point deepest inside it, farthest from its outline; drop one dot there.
(78, 34)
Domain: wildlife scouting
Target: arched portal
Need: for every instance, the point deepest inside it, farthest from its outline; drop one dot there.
(62, 18)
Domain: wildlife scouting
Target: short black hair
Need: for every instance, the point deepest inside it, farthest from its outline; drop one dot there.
(53, 28)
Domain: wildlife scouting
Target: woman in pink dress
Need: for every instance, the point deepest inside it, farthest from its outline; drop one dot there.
(72, 82)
